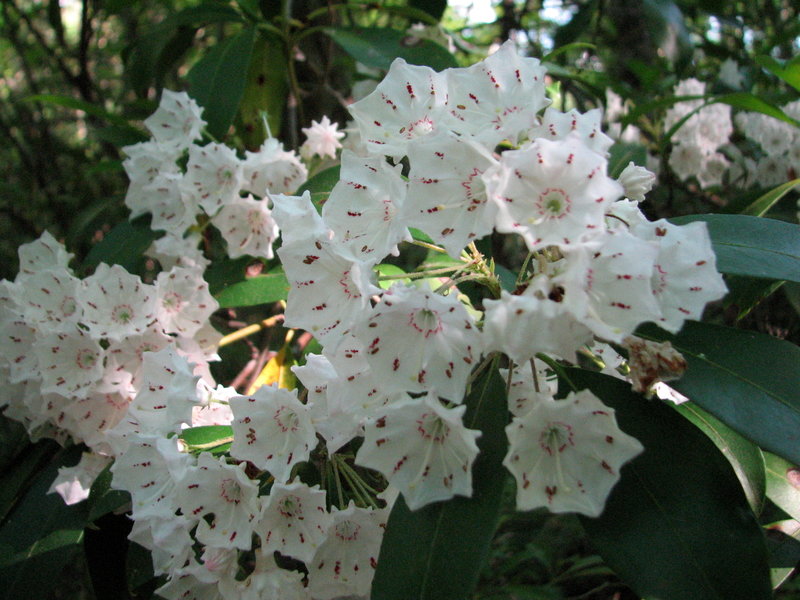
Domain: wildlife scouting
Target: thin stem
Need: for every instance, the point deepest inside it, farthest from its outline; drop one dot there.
(535, 376)
(482, 367)
(429, 246)
(249, 330)
(418, 274)
(558, 369)
(334, 464)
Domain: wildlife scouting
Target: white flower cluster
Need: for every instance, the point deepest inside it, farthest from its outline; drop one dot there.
(117, 363)
(698, 142)
(213, 183)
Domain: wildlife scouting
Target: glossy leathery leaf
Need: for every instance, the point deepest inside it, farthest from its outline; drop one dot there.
(750, 381)
(677, 524)
(378, 47)
(217, 81)
(261, 289)
(754, 246)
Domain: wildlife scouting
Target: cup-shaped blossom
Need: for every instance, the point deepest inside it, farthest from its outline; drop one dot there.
(46, 252)
(447, 196)
(329, 290)
(177, 122)
(213, 177)
(272, 170)
(49, 299)
(608, 286)
(272, 429)
(566, 454)
(294, 520)
(422, 448)
(365, 207)
(70, 363)
(497, 98)
(224, 490)
(685, 276)
(345, 563)
(168, 392)
(148, 470)
(418, 341)
(524, 325)
(586, 127)
(247, 226)
(552, 192)
(183, 302)
(408, 104)
(116, 303)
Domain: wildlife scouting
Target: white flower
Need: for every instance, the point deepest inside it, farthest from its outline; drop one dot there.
(422, 448)
(552, 192)
(41, 254)
(566, 454)
(177, 121)
(497, 98)
(345, 563)
(73, 483)
(213, 177)
(70, 363)
(447, 196)
(418, 341)
(365, 208)
(247, 226)
(636, 181)
(406, 105)
(183, 302)
(329, 290)
(293, 520)
(218, 488)
(167, 394)
(272, 429)
(272, 170)
(685, 276)
(115, 303)
(586, 127)
(322, 139)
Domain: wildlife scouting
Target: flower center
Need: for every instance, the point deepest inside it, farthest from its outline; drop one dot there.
(432, 427)
(231, 491)
(555, 438)
(287, 419)
(553, 203)
(425, 321)
(122, 313)
(347, 531)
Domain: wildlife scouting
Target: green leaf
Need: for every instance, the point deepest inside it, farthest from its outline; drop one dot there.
(745, 293)
(87, 107)
(386, 269)
(40, 536)
(745, 457)
(260, 289)
(436, 552)
(378, 47)
(103, 499)
(15, 479)
(750, 381)
(768, 200)
(320, 186)
(223, 273)
(567, 48)
(217, 80)
(788, 71)
(677, 524)
(124, 245)
(747, 101)
(206, 435)
(783, 484)
(265, 91)
(753, 246)
(435, 8)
